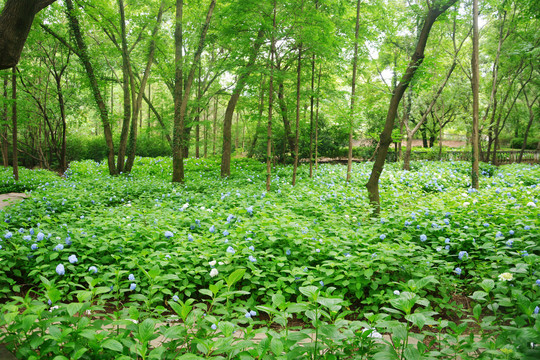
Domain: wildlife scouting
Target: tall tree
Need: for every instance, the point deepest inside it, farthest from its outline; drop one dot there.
(434, 11)
(353, 91)
(270, 100)
(475, 83)
(14, 122)
(297, 135)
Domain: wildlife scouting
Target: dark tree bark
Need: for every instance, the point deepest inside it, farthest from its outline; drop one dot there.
(285, 115)
(181, 97)
(530, 104)
(82, 52)
(311, 113)
(475, 83)
(5, 143)
(297, 135)
(259, 119)
(386, 136)
(229, 112)
(14, 122)
(15, 23)
(353, 90)
(270, 102)
(317, 119)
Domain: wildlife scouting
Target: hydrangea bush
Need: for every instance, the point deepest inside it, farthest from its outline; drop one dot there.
(133, 266)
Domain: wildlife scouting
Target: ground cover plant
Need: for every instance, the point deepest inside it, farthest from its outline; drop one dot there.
(133, 266)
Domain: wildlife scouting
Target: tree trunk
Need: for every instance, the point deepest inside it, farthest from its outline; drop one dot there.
(353, 91)
(126, 66)
(181, 106)
(259, 119)
(270, 102)
(531, 118)
(137, 96)
(198, 117)
(5, 144)
(317, 119)
(284, 115)
(475, 81)
(229, 112)
(14, 122)
(85, 60)
(386, 136)
(311, 113)
(178, 129)
(297, 137)
(215, 127)
(15, 23)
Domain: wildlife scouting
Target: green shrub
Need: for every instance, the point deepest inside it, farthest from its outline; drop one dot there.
(517, 143)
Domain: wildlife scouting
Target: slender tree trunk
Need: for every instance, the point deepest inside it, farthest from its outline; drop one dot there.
(353, 91)
(14, 122)
(85, 60)
(311, 113)
(317, 119)
(297, 137)
(159, 119)
(289, 139)
(530, 105)
(178, 130)
(61, 104)
(214, 140)
(270, 103)
(126, 66)
(198, 117)
(386, 136)
(259, 119)
(137, 96)
(229, 112)
(180, 111)
(475, 87)
(5, 156)
(205, 132)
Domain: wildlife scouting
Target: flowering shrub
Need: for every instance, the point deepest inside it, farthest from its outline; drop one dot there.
(115, 262)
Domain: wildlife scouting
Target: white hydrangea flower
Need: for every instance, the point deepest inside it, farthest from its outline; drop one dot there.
(506, 276)
(213, 272)
(212, 263)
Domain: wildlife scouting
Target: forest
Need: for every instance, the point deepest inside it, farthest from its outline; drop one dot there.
(270, 179)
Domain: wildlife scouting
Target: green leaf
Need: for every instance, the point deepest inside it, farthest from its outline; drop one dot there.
(146, 330)
(310, 291)
(206, 292)
(235, 277)
(28, 322)
(78, 353)
(74, 308)
(487, 285)
(278, 300)
(276, 346)
(411, 353)
(112, 344)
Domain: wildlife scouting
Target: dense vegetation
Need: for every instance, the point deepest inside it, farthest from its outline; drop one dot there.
(99, 266)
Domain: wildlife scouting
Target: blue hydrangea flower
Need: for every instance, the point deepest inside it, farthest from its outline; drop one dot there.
(49, 302)
(248, 315)
(68, 240)
(288, 252)
(168, 234)
(60, 269)
(499, 234)
(250, 210)
(31, 231)
(252, 312)
(423, 237)
(252, 248)
(59, 247)
(407, 223)
(21, 231)
(347, 255)
(175, 298)
(463, 254)
(382, 237)
(197, 222)
(527, 227)
(447, 247)
(27, 237)
(212, 229)
(321, 282)
(511, 232)
(252, 259)
(230, 250)
(536, 310)
(8, 235)
(133, 286)
(446, 221)
(230, 218)
(72, 259)
(214, 326)
(190, 237)
(457, 271)
(524, 253)
(92, 269)
(34, 247)
(538, 282)
(509, 243)
(225, 233)
(40, 236)
(131, 277)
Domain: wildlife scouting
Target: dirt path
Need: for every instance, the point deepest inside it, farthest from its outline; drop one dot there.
(11, 198)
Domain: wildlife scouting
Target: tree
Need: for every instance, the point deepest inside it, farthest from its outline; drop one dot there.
(15, 23)
(434, 11)
(475, 83)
